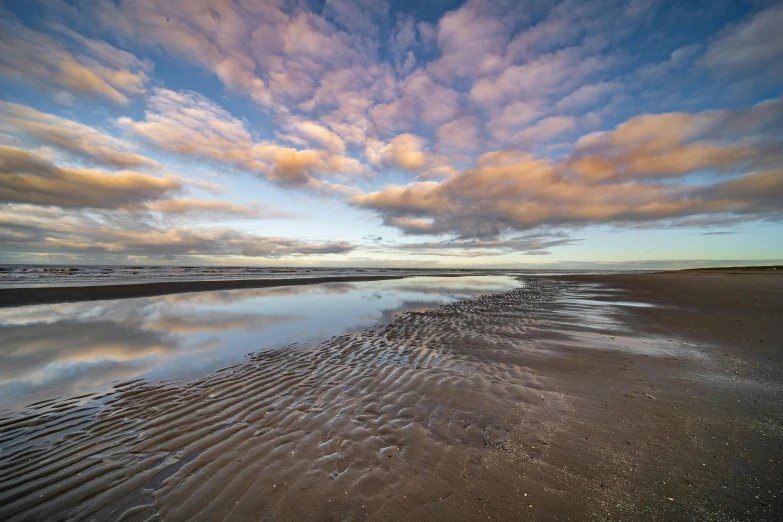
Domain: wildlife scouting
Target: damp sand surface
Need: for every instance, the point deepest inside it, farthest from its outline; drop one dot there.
(556, 400)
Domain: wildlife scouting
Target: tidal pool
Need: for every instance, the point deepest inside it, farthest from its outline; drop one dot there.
(59, 351)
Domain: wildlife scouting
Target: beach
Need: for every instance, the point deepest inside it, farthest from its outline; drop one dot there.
(579, 397)
(343, 261)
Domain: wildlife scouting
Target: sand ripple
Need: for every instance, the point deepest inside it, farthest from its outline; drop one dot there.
(398, 418)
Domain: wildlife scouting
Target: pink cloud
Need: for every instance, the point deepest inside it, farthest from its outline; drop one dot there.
(461, 134)
(188, 124)
(70, 136)
(97, 70)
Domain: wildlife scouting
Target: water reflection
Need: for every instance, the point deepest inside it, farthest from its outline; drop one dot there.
(74, 349)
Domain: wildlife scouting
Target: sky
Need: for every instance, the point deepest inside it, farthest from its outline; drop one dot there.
(521, 134)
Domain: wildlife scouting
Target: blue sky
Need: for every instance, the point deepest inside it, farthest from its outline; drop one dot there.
(488, 134)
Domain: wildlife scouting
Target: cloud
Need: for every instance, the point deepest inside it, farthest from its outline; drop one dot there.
(753, 47)
(189, 124)
(511, 116)
(678, 60)
(344, 98)
(550, 74)
(677, 144)
(33, 229)
(30, 177)
(406, 151)
(463, 134)
(543, 130)
(417, 98)
(405, 37)
(96, 70)
(319, 134)
(351, 89)
(587, 95)
(210, 209)
(358, 16)
(272, 52)
(70, 136)
(213, 38)
(555, 31)
(327, 84)
(759, 193)
(529, 245)
(605, 181)
(472, 41)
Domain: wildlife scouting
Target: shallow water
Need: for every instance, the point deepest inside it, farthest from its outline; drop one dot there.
(73, 349)
(31, 276)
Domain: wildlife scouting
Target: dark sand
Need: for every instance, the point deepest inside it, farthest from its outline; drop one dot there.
(544, 403)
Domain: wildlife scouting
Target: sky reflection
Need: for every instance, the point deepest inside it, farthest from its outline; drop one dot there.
(72, 349)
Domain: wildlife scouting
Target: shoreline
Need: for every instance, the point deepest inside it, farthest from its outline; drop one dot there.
(10, 297)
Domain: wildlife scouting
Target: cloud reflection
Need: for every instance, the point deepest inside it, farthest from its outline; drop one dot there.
(65, 350)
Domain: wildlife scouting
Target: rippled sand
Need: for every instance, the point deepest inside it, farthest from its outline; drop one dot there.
(541, 401)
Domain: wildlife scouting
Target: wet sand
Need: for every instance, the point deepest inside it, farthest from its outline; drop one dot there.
(564, 399)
